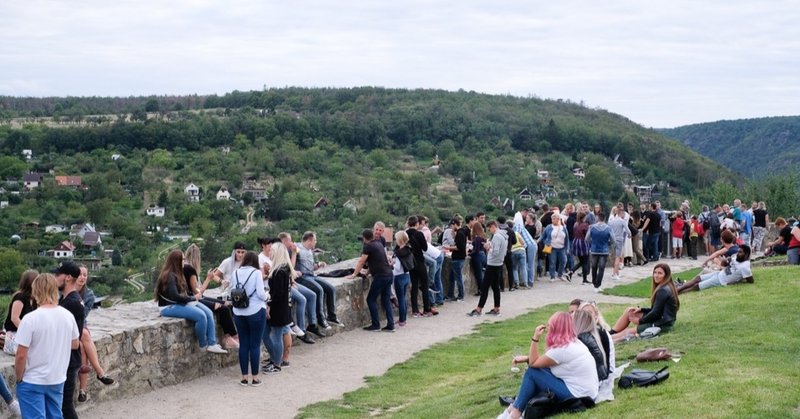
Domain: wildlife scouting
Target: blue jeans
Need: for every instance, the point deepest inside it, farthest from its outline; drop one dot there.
(4, 392)
(273, 340)
(251, 330)
(793, 256)
(401, 283)
(653, 241)
(456, 278)
(478, 260)
(530, 261)
(203, 318)
(437, 280)
(570, 260)
(646, 245)
(326, 294)
(309, 306)
(40, 401)
(520, 260)
(537, 380)
(557, 256)
(382, 286)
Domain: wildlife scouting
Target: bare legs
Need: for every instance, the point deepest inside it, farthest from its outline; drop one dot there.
(693, 285)
(89, 353)
(630, 316)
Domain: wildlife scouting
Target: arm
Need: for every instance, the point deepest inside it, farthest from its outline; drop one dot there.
(646, 223)
(715, 255)
(359, 265)
(172, 293)
(75, 344)
(88, 302)
(260, 291)
(534, 359)
(657, 311)
(461, 242)
(19, 362)
(16, 310)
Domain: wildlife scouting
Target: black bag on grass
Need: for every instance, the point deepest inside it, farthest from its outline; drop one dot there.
(643, 378)
(545, 404)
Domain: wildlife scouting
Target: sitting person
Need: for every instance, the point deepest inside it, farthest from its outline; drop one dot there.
(325, 292)
(728, 249)
(735, 270)
(781, 244)
(88, 349)
(191, 267)
(174, 300)
(602, 336)
(664, 311)
(567, 368)
(21, 304)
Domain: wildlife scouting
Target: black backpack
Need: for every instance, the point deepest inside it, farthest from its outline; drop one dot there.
(713, 223)
(239, 298)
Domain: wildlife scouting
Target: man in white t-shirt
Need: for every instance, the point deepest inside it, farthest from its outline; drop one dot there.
(45, 338)
(737, 270)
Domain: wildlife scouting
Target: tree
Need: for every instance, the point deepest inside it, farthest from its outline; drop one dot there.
(11, 267)
(152, 106)
(116, 258)
(12, 167)
(99, 210)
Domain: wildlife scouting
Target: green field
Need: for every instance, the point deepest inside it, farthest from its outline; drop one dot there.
(741, 358)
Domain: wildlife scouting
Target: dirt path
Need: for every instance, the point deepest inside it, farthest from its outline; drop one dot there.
(338, 364)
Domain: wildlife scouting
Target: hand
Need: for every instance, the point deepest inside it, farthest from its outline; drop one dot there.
(539, 330)
(351, 276)
(519, 359)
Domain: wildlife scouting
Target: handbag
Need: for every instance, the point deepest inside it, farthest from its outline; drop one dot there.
(547, 249)
(654, 354)
(643, 378)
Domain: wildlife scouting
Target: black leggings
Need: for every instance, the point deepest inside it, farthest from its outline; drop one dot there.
(583, 262)
(223, 314)
(419, 283)
(492, 279)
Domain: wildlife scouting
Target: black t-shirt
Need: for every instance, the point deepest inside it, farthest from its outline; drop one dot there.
(376, 259)
(760, 218)
(462, 234)
(531, 229)
(27, 307)
(74, 304)
(654, 227)
(188, 272)
(786, 233)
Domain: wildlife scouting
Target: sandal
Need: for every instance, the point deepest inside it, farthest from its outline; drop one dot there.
(494, 312)
(106, 380)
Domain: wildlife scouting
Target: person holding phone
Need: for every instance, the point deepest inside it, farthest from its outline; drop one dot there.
(567, 369)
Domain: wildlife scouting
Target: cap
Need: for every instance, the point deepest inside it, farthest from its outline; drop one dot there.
(67, 268)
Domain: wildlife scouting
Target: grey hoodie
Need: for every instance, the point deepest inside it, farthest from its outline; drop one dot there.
(619, 229)
(497, 249)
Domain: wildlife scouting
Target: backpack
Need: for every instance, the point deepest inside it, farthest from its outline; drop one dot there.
(239, 297)
(713, 224)
(704, 219)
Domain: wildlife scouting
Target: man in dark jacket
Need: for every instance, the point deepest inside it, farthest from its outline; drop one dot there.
(419, 275)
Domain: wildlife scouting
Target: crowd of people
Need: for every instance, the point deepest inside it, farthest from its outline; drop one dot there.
(272, 295)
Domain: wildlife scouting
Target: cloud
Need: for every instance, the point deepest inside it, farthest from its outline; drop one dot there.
(658, 63)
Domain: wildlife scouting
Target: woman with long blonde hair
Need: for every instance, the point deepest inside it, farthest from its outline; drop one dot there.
(191, 267)
(279, 316)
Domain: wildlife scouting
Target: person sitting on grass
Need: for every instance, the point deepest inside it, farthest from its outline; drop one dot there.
(567, 369)
(728, 249)
(735, 270)
(662, 314)
(605, 391)
(781, 244)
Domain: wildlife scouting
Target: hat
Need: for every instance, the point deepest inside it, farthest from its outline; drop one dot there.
(67, 268)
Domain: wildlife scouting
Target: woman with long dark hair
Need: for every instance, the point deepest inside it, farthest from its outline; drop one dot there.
(174, 300)
(478, 255)
(250, 320)
(663, 313)
(21, 304)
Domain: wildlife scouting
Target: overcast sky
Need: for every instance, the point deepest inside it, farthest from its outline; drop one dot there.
(661, 64)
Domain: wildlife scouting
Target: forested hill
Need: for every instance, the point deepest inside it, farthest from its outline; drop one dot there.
(754, 147)
(418, 121)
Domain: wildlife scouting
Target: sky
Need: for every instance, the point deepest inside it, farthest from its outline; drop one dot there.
(659, 63)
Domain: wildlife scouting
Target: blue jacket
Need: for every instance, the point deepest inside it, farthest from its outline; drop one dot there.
(549, 230)
(598, 238)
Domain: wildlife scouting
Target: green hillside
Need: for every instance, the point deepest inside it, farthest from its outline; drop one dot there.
(332, 160)
(754, 147)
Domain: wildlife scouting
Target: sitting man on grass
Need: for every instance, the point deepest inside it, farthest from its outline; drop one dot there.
(735, 270)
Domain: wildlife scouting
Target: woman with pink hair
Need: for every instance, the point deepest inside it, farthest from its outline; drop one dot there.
(567, 369)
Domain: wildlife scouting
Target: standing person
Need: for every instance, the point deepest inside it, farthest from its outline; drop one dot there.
(67, 275)
(374, 256)
(746, 225)
(279, 316)
(665, 230)
(174, 300)
(45, 339)
(402, 264)
(760, 226)
(569, 222)
(458, 256)
(566, 369)
(191, 267)
(251, 320)
(419, 275)
(620, 233)
(652, 226)
(677, 235)
(533, 247)
(478, 255)
(636, 238)
(555, 235)
(21, 304)
(88, 349)
(519, 260)
(312, 299)
(663, 312)
(695, 236)
(496, 251)
(530, 246)
(325, 291)
(579, 247)
(509, 264)
(599, 238)
(434, 254)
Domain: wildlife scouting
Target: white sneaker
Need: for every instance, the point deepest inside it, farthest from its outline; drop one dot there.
(598, 290)
(504, 415)
(14, 408)
(297, 331)
(216, 349)
(615, 277)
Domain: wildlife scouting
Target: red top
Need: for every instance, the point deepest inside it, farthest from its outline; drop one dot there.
(677, 228)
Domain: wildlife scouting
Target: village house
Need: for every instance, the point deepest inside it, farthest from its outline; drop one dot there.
(223, 194)
(32, 180)
(192, 192)
(155, 211)
(579, 173)
(525, 195)
(116, 157)
(253, 189)
(28, 154)
(64, 249)
(544, 176)
(71, 181)
(55, 229)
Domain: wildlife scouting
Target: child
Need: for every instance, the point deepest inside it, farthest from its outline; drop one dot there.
(677, 234)
(696, 234)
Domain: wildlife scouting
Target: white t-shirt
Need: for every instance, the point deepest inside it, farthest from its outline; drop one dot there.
(576, 367)
(397, 267)
(735, 272)
(433, 251)
(47, 332)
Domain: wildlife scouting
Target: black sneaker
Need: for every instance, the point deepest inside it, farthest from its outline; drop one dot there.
(315, 330)
(83, 396)
(285, 364)
(335, 320)
(324, 324)
(387, 329)
(372, 328)
(271, 369)
(307, 339)
(106, 380)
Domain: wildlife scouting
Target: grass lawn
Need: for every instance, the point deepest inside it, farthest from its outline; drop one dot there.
(741, 358)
